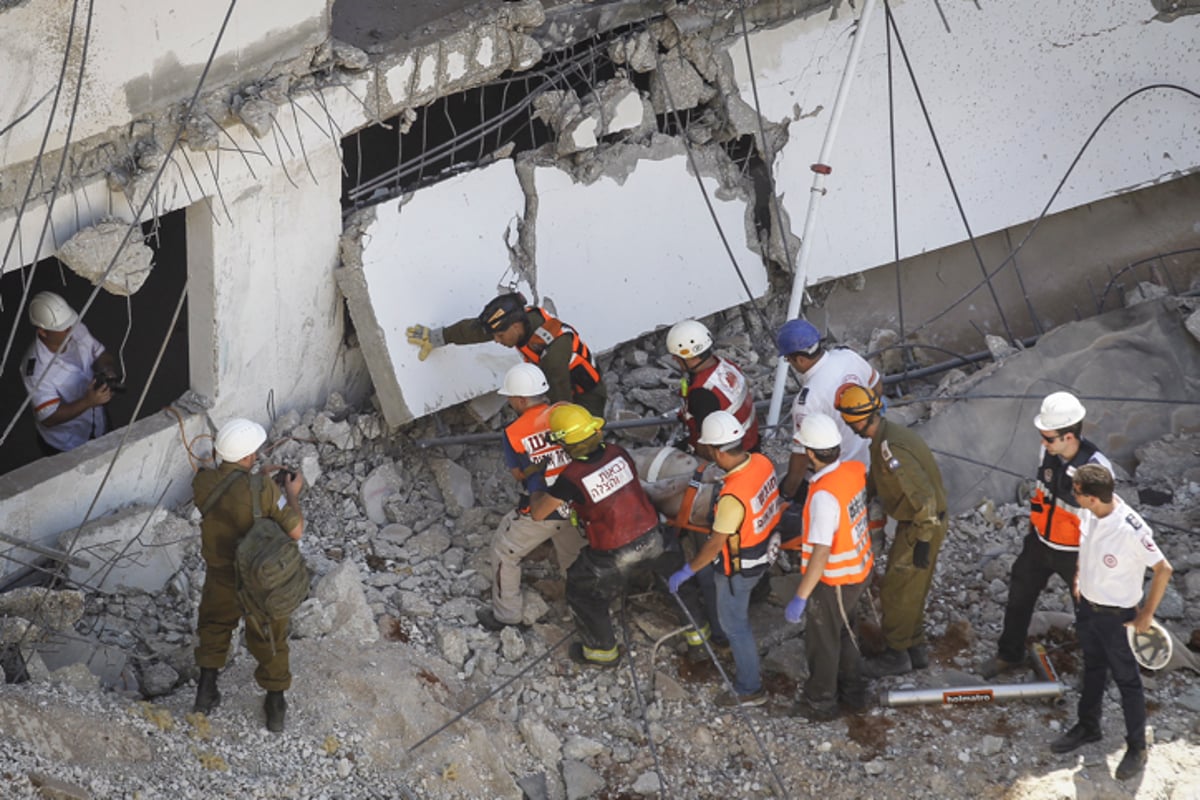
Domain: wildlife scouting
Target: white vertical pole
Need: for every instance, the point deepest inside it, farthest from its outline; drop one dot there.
(820, 171)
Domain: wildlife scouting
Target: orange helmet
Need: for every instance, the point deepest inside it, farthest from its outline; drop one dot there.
(856, 402)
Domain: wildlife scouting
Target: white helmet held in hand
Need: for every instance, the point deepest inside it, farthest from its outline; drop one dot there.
(721, 428)
(50, 312)
(819, 432)
(239, 438)
(524, 380)
(688, 339)
(1059, 410)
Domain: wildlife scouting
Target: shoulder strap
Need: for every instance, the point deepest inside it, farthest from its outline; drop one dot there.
(219, 490)
(256, 493)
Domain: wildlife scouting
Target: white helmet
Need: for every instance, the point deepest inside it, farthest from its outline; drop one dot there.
(819, 432)
(1153, 648)
(721, 428)
(688, 339)
(524, 380)
(50, 312)
(239, 438)
(1059, 410)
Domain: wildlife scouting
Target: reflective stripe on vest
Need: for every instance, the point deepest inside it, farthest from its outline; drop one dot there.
(614, 509)
(585, 376)
(850, 556)
(756, 487)
(1052, 508)
(732, 389)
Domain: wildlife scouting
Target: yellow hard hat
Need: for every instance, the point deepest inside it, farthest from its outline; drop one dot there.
(856, 402)
(571, 423)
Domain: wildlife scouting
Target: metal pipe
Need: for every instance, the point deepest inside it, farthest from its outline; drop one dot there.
(972, 695)
(42, 550)
(820, 170)
(496, 436)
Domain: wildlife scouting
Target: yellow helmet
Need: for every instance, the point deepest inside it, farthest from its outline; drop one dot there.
(572, 424)
(856, 402)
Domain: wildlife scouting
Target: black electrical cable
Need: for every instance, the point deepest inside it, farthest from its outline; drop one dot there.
(637, 691)
(895, 197)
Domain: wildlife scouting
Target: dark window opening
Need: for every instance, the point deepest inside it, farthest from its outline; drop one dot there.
(145, 315)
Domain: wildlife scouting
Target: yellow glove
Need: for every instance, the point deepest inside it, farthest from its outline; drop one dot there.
(425, 338)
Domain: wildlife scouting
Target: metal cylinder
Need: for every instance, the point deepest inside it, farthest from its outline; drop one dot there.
(972, 695)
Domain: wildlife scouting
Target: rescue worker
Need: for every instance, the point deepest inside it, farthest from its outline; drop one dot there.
(821, 373)
(223, 495)
(535, 463)
(1116, 547)
(906, 479)
(744, 541)
(710, 383)
(68, 392)
(541, 338)
(1052, 545)
(624, 538)
(836, 560)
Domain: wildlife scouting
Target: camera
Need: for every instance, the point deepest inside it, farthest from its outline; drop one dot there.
(111, 381)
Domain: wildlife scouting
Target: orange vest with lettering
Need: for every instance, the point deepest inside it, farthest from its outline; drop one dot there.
(757, 488)
(850, 556)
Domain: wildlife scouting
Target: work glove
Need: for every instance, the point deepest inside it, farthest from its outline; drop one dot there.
(921, 555)
(425, 338)
(679, 577)
(795, 609)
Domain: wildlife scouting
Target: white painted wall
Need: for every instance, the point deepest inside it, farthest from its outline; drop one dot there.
(1014, 90)
(142, 55)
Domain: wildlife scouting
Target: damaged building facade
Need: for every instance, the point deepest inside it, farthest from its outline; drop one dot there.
(273, 195)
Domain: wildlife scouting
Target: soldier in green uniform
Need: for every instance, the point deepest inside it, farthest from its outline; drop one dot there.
(906, 479)
(223, 495)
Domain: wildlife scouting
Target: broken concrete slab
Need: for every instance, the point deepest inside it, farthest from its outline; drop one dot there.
(47, 608)
(341, 590)
(93, 250)
(137, 548)
(383, 482)
(454, 481)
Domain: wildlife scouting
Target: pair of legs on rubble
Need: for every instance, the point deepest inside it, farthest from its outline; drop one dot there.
(218, 617)
(834, 666)
(516, 537)
(902, 594)
(598, 576)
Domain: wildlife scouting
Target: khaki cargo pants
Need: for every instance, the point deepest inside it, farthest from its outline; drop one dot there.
(219, 615)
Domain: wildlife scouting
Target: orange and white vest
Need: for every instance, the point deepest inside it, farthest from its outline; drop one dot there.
(850, 556)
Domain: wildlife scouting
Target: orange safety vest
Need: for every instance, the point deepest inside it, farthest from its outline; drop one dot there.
(584, 374)
(527, 436)
(1052, 508)
(732, 389)
(850, 556)
(757, 488)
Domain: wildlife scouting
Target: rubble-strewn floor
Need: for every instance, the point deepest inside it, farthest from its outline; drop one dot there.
(388, 651)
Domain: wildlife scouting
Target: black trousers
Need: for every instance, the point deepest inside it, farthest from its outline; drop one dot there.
(1030, 573)
(834, 664)
(1105, 645)
(598, 576)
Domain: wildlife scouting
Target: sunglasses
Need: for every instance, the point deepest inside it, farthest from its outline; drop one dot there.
(1050, 439)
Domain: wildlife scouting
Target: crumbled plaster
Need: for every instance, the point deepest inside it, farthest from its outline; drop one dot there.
(93, 251)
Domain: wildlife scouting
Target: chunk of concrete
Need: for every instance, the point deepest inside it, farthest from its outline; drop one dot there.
(339, 434)
(582, 781)
(91, 251)
(383, 482)
(341, 589)
(454, 481)
(158, 679)
(541, 741)
(136, 548)
(47, 608)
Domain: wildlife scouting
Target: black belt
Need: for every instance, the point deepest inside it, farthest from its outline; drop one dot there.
(1099, 609)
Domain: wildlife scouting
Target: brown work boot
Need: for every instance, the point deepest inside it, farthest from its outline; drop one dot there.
(208, 696)
(276, 707)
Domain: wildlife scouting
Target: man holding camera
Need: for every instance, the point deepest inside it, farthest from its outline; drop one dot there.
(68, 375)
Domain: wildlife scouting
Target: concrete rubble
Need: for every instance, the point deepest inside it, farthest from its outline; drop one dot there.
(387, 648)
(101, 254)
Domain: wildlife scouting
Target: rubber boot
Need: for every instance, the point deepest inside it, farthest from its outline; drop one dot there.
(207, 695)
(276, 707)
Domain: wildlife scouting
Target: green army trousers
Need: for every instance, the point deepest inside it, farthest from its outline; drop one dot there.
(219, 615)
(904, 589)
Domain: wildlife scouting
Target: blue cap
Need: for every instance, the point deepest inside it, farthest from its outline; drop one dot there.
(797, 336)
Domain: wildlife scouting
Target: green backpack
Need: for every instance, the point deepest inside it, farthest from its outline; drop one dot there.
(271, 577)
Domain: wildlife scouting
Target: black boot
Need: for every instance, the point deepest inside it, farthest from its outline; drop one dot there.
(892, 662)
(276, 707)
(207, 695)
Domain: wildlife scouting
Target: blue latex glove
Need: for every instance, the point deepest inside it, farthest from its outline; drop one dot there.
(795, 609)
(679, 577)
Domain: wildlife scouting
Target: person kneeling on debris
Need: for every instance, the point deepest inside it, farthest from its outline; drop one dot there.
(228, 509)
(624, 538)
(539, 336)
(905, 478)
(1116, 547)
(743, 538)
(535, 462)
(836, 560)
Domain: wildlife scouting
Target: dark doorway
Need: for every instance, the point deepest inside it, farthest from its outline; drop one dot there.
(140, 321)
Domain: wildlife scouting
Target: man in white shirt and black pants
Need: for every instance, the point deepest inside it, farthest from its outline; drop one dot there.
(1116, 547)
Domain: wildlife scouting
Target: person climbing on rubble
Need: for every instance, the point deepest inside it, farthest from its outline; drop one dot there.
(624, 538)
(905, 477)
(229, 515)
(1116, 548)
(541, 338)
(68, 375)
(535, 462)
(1052, 544)
(743, 538)
(822, 372)
(836, 561)
(710, 383)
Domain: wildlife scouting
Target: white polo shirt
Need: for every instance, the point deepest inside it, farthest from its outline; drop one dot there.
(66, 380)
(1114, 553)
(835, 367)
(824, 513)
